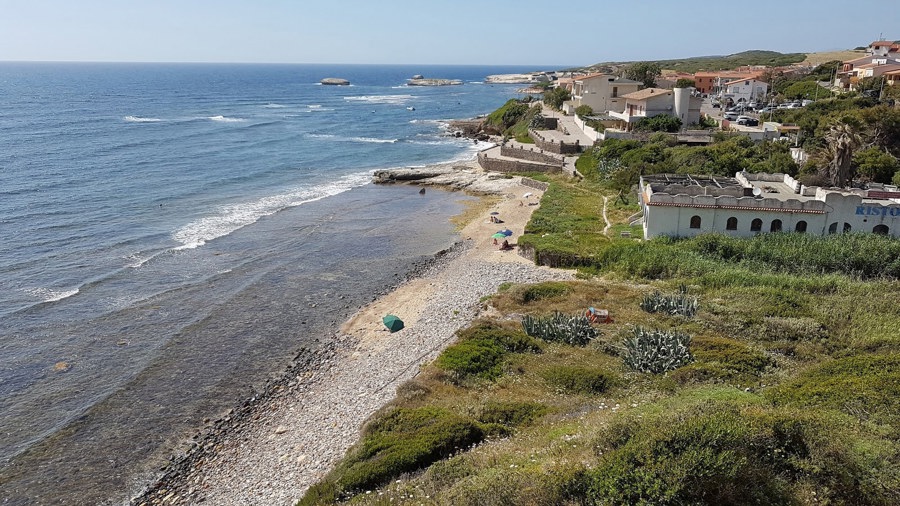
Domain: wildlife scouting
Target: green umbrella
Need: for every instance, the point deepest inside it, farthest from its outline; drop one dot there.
(392, 323)
(499, 235)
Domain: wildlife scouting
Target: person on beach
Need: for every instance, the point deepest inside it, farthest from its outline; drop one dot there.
(505, 246)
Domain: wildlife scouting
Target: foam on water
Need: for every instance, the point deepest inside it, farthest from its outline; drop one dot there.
(381, 99)
(232, 217)
(139, 119)
(224, 119)
(51, 294)
(274, 106)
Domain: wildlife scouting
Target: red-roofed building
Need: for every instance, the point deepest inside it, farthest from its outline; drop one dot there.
(715, 82)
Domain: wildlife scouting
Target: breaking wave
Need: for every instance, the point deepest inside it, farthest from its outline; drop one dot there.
(139, 119)
(381, 99)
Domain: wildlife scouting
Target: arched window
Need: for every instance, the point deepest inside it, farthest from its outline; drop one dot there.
(775, 226)
(731, 224)
(801, 227)
(832, 229)
(847, 228)
(756, 225)
(881, 230)
(695, 222)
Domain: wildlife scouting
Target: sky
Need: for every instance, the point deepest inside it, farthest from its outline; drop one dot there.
(492, 32)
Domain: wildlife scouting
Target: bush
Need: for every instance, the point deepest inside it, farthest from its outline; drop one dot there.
(581, 380)
(541, 291)
(657, 351)
(724, 360)
(512, 414)
(402, 441)
(735, 451)
(866, 386)
(575, 330)
(660, 123)
(480, 350)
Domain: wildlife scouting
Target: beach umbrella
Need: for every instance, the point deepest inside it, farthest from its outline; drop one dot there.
(499, 235)
(495, 213)
(392, 323)
(507, 232)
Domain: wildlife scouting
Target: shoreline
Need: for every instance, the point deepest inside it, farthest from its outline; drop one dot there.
(281, 441)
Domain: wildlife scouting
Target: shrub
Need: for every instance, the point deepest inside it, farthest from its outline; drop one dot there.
(575, 330)
(720, 451)
(680, 304)
(581, 380)
(722, 359)
(480, 350)
(401, 441)
(866, 386)
(542, 291)
(512, 414)
(657, 351)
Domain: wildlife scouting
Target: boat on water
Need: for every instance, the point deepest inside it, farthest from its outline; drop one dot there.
(410, 108)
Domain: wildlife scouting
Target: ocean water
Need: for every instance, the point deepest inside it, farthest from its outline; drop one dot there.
(172, 234)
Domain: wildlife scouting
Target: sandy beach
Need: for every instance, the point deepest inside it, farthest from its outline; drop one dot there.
(277, 445)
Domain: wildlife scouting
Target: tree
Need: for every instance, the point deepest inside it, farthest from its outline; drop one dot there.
(659, 123)
(583, 110)
(555, 97)
(685, 83)
(645, 72)
(841, 139)
(873, 164)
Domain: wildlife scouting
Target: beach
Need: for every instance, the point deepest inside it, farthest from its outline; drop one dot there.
(270, 450)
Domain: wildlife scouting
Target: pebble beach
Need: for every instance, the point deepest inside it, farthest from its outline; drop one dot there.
(278, 444)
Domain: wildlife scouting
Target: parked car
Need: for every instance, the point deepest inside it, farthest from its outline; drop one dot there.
(766, 110)
(716, 105)
(747, 121)
(731, 115)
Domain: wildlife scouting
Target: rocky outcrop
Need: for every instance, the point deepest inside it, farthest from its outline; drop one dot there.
(335, 81)
(456, 177)
(433, 82)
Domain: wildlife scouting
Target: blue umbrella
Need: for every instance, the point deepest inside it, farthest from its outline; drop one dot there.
(507, 232)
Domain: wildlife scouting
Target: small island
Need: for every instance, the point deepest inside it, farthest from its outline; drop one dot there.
(335, 81)
(433, 82)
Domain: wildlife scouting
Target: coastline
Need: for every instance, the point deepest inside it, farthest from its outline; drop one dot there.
(280, 442)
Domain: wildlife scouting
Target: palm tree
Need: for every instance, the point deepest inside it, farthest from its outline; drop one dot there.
(842, 138)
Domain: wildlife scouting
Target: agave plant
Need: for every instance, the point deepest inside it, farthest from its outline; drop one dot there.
(570, 329)
(678, 304)
(657, 351)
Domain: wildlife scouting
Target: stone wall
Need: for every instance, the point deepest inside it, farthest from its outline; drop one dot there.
(530, 155)
(537, 185)
(562, 148)
(503, 165)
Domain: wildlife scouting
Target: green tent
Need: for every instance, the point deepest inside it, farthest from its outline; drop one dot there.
(392, 323)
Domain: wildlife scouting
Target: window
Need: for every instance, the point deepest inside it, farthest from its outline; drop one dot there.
(775, 226)
(847, 228)
(695, 222)
(801, 227)
(832, 229)
(731, 224)
(615, 91)
(756, 225)
(881, 230)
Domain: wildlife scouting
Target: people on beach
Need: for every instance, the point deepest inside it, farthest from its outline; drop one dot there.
(505, 246)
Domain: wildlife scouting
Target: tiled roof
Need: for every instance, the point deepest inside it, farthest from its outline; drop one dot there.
(647, 93)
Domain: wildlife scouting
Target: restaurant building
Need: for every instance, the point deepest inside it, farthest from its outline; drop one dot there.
(678, 205)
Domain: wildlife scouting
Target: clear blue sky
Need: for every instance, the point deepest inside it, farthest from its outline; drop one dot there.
(430, 31)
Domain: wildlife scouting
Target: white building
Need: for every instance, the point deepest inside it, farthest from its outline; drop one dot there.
(745, 90)
(677, 205)
(601, 92)
(656, 101)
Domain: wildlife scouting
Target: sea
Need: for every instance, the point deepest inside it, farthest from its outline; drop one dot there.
(172, 235)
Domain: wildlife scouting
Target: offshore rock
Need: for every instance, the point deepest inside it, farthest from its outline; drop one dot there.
(335, 81)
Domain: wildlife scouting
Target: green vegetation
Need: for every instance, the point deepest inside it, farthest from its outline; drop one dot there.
(661, 123)
(657, 351)
(560, 328)
(745, 58)
(555, 97)
(685, 83)
(673, 304)
(645, 72)
(785, 391)
(513, 119)
(578, 380)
